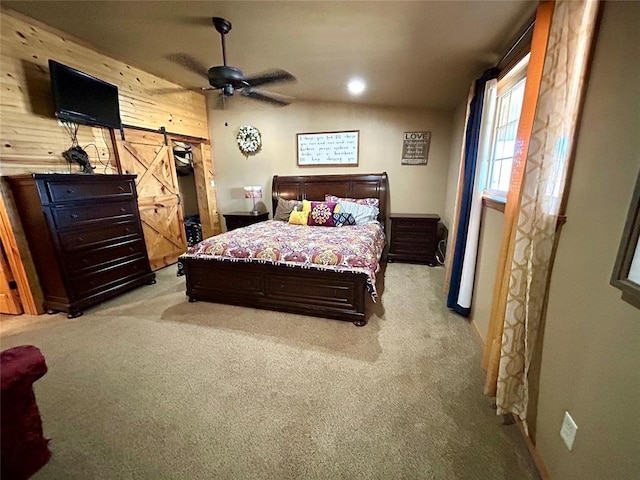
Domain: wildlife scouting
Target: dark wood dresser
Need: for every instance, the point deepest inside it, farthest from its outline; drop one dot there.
(85, 237)
(414, 238)
(242, 219)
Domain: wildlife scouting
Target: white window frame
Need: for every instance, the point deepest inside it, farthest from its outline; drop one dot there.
(515, 78)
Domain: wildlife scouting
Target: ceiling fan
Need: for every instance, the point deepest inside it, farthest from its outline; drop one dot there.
(230, 80)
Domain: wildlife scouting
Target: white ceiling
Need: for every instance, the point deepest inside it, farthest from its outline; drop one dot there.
(419, 53)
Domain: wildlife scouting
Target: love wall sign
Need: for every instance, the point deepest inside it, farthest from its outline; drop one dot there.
(415, 148)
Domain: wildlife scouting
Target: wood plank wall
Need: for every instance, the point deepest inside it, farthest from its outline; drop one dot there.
(31, 140)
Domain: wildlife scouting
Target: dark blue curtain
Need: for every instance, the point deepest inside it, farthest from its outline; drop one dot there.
(470, 162)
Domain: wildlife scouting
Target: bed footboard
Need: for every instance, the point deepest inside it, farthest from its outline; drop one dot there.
(305, 291)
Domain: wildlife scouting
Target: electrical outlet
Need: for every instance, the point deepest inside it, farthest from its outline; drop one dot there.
(213, 183)
(568, 431)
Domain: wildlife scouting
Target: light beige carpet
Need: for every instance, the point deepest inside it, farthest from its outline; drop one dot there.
(149, 386)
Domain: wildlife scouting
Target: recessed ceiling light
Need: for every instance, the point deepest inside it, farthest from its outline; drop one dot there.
(356, 86)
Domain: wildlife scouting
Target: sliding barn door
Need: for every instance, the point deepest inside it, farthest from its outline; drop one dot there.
(145, 154)
(9, 301)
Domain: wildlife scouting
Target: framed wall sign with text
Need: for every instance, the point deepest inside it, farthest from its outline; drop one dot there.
(328, 148)
(415, 148)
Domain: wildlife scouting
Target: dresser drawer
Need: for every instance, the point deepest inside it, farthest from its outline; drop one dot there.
(64, 191)
(84, 261)
(115, 274)
(86, 216)
(117, 233)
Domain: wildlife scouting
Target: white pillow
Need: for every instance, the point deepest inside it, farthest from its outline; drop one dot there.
(362, 214)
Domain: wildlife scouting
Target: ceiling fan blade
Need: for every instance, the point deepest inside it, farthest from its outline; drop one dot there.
(189, 62)
(274, 76)
(269, 98)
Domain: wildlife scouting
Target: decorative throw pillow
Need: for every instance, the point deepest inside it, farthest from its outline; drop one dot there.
(362, 214)
(372, 202)
(321, 214)
(341, 219)
(306, 205)
(299, 218)
(284, 209)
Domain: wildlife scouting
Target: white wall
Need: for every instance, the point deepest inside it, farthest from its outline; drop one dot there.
(591, 354)
(492, 224)
(457, 135)
(413, 188)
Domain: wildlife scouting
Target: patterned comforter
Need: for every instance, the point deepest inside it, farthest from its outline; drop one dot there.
(356, 248)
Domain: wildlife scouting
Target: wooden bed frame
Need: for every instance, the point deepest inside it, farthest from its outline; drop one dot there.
(305, 291)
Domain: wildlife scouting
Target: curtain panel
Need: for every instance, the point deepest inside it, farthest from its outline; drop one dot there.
(469, 183)
(491, 358)
(541, 197)
(469, 260)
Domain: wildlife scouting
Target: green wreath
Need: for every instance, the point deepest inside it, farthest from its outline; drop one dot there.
(249, 140)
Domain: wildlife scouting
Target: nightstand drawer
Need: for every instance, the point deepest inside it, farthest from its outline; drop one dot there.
(415, 237)
(243, 219)
(405, 225)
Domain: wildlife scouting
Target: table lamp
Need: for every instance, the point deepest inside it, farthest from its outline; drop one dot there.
(253, 192)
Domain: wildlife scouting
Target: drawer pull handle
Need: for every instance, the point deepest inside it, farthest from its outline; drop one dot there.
(131, 249)
(71, 191)
(81, 239)
(127, 230)
(123, 210)
(85, 261)
(121, 188)
(74, 215)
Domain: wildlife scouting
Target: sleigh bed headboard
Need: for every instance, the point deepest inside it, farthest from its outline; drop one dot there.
(315, 187)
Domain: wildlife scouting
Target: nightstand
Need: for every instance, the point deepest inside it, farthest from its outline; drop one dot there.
(242, 219)
(414, 238)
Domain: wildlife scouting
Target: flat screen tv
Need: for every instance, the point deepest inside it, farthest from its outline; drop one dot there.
(81, 98)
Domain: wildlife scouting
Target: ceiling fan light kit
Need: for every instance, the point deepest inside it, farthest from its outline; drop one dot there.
(223, 75)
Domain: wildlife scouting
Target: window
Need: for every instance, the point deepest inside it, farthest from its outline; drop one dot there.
(626, 272)
(509, 100)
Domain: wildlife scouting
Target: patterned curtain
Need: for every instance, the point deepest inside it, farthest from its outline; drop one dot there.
(542, 198)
